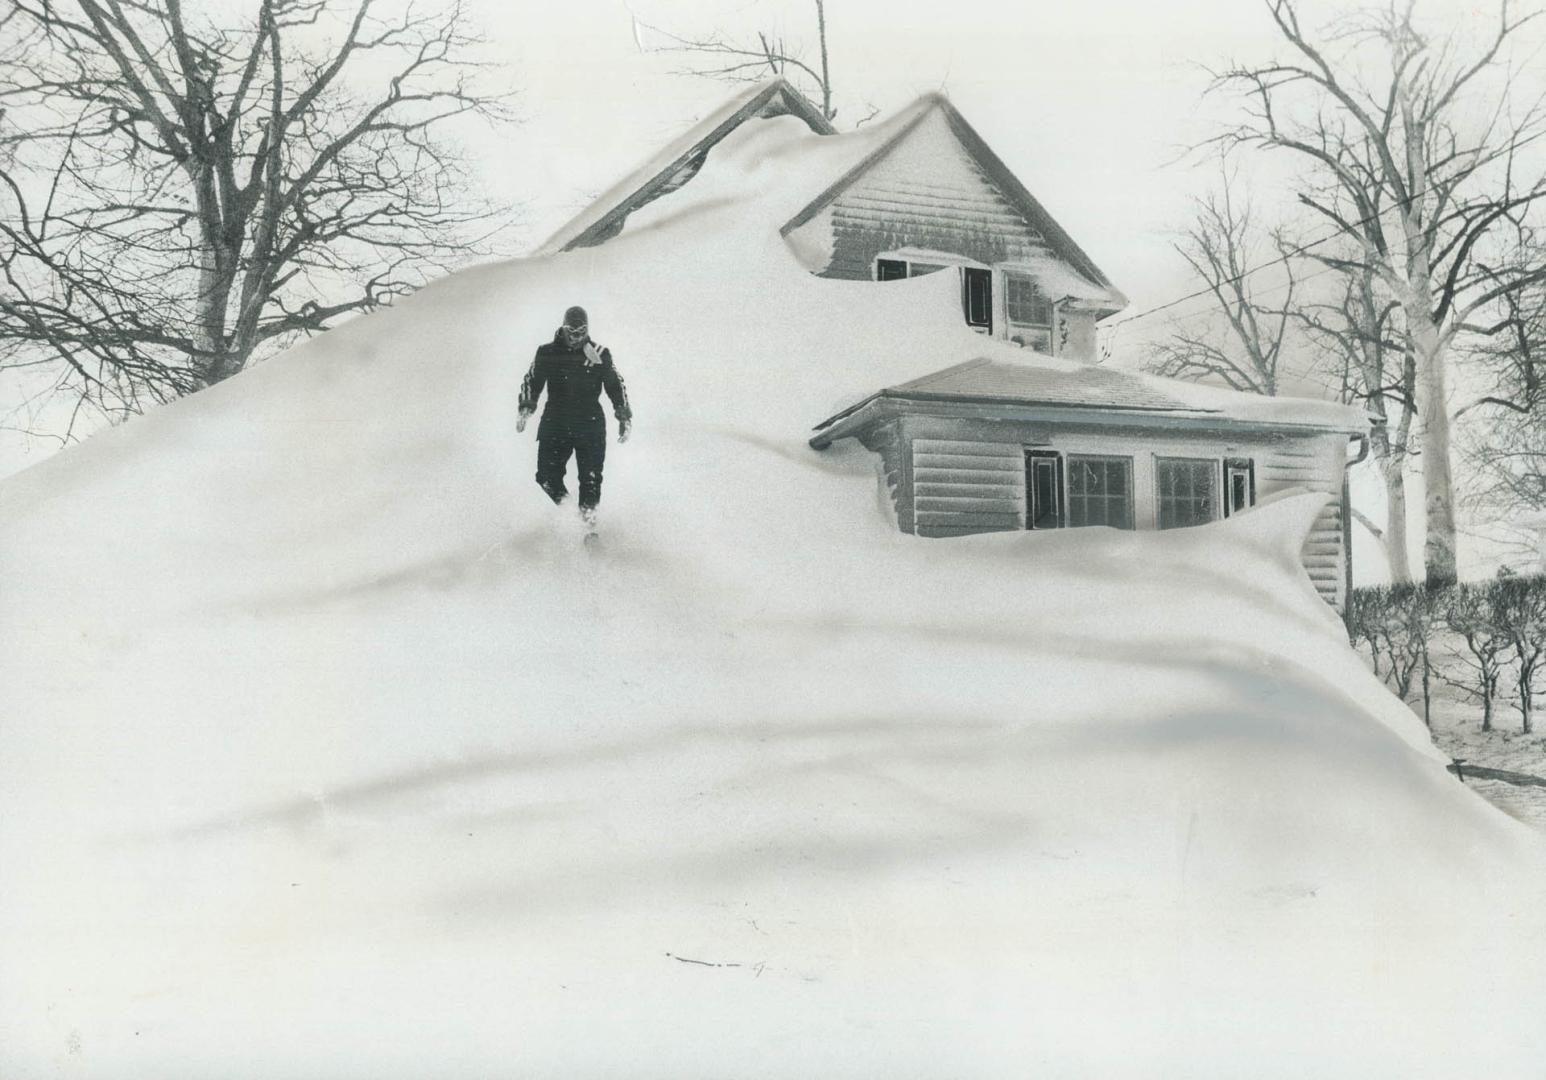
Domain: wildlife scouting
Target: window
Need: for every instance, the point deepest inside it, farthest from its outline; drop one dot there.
(1025, 303)
(977, 297)
(1029, 312)
(976, 287)
(1100, 491)
(1043, 490)
(1239, 485)
(1187, 491)
(896, 269)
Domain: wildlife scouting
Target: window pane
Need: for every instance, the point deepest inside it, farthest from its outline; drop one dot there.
(1099, 491)
(890, 269)
(1187, 489)
(1024, 304)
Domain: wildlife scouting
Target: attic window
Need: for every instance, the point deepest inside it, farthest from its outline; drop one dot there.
(896, 269)
(1029, 312)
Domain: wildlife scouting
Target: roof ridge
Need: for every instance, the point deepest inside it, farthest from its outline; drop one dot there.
(651, 177)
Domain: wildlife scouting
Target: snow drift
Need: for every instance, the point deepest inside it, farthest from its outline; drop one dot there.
(325, 749)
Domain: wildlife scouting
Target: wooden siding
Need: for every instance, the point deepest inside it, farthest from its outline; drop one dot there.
(956, 477)
(1314, 464)
(927, 194)
(886, 440)
(966, 485)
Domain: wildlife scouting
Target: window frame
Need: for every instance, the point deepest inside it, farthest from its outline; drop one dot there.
(982, 274)
(1246, 469)
(1019, 277)
(1128, 497)
(1054, 458)
(1212, 469)
(968, 270)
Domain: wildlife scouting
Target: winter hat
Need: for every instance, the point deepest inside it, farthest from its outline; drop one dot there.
(575, 318)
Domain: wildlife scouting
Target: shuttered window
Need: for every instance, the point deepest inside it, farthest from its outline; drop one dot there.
(1100, 491)
(1186, 491)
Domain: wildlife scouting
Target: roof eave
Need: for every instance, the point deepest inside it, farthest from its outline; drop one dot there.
(888, 403)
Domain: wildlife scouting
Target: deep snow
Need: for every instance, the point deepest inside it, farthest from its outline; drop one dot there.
(326, 749)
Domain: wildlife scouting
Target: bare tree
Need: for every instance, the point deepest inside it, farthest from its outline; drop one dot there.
(1415, 154)
(1243, 352)
(749, 59)
(1508, 450)
(1470, 612)
(1521, 618)
(176, 194)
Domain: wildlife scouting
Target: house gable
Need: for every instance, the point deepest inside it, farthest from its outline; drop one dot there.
(936, 187)
(679, 162)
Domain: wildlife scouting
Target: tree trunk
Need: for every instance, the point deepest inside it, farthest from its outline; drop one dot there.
(1486, 708)
(1393, 473)
(1429, 347)
(1439, 547)
(1427, 691)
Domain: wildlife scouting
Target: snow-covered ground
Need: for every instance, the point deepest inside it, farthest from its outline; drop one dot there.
(327, 750)
(1457, 731)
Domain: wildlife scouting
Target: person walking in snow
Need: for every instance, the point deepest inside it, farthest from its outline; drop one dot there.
(574, 370)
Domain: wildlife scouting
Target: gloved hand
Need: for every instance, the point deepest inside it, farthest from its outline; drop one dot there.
(520, 423)
(624, 429)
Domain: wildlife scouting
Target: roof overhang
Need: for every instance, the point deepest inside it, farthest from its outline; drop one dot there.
(890, 404)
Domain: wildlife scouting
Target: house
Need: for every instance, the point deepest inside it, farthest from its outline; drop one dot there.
(931, 197)
(1006, 442)
(1030, 434)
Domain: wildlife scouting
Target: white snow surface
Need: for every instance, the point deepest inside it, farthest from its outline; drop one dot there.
(326, 749)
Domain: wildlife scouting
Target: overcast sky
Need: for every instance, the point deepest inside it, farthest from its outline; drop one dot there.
(1089, 103)
(1085, 102)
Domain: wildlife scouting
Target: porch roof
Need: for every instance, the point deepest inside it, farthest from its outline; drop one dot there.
(1047, 388)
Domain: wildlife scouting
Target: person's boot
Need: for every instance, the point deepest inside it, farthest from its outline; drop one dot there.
(588, 517)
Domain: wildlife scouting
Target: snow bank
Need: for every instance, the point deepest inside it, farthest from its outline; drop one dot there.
(325, 749)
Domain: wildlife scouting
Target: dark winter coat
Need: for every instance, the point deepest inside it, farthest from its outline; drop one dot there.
(574, 384)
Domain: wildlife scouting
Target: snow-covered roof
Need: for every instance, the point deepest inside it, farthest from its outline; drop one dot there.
(676, 162)
(1041, 381)
(821, 177)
